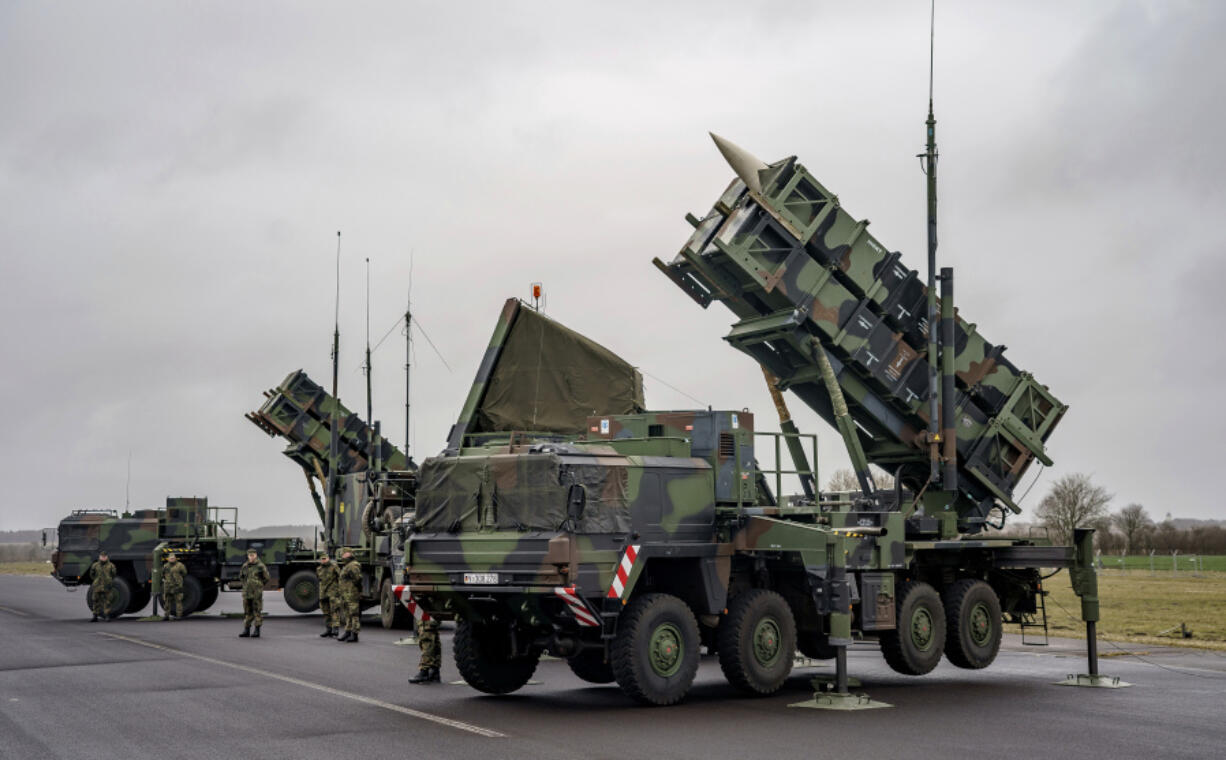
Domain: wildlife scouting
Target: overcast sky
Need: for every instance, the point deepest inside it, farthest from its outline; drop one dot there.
(173, 175)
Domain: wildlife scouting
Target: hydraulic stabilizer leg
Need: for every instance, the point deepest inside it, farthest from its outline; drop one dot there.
(835, 694)
(1085, 584)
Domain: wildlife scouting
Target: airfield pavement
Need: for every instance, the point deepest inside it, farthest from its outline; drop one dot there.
(192, 689)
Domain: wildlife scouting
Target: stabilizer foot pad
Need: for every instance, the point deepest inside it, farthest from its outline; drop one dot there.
(1094, 682)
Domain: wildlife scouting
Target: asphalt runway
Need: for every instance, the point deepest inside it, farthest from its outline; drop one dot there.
(192, 689)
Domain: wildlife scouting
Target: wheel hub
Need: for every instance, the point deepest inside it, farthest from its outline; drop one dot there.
(766, 641)
(980, 624)
(921, 629)
(664, 650)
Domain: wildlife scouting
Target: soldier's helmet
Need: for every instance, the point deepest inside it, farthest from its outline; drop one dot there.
(102, 554)
(346, 552)
(171, 556)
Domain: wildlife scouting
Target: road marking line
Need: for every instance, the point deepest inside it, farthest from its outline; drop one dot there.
(15, 612)
(457, 724)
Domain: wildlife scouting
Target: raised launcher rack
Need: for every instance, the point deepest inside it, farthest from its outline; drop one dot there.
(802, 274)
(301, 411)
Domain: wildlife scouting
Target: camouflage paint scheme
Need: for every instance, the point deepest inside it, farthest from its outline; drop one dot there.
(374, 482)
(494, 542)
(801, 274)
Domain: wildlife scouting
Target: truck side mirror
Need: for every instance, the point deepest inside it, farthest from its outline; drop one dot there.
(576, 501)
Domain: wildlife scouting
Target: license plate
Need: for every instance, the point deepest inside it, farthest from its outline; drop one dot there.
(480, 579)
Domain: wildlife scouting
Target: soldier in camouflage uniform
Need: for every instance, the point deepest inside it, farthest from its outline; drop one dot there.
(173, 573)
(101, 587)
(329, 601)
(350, 593)
(253, 575)
(431, 652)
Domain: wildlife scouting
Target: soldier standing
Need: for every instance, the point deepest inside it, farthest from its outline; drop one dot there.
(101, 587)
(173, 573)
(253, 576)
(329, 602)
(350, 593)
(431, 651)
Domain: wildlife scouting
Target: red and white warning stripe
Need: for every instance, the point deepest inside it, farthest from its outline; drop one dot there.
(402, 593)
(623, 572)
(577, 606)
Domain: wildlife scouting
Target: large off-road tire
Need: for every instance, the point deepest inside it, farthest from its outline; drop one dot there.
(140, 597)
(208, 596)
(914, 647)
(655, 653)
(302, 591)
(757, 641)
(816, 646)
(121, 597)
(591, 666)
(972, 611)
(483, 658)
(392, 614)
(193, 592)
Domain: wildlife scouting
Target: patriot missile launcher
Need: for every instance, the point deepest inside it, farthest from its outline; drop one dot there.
(369, 489)
(625, 543)
(814, 290)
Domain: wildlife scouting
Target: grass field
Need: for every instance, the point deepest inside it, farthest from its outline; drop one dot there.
(1137, 607)
(25, 568)
(1162, 563)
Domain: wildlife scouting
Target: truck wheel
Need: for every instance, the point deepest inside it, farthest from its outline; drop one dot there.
(973, 612)
(757, 640)
(121, 597)
(590, 665)
(655, 653)
(482, 656)
(392, 614)
(302, 591)
(914, 647)
(208, 597)
(192, 592)
(140, 597)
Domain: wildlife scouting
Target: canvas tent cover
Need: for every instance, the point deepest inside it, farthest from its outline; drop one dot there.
(549, 379)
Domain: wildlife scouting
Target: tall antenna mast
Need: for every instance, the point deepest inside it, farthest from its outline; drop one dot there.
(127, 488)
(333, 443)
(929, 160)
(408, 355)
(370, 419)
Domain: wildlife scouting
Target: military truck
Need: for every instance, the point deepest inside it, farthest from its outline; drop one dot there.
(204, 540)
(625, 541)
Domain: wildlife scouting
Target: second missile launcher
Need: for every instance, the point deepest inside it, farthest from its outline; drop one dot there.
(804, 276)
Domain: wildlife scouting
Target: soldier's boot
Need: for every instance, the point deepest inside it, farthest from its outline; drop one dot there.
(256, 633)
(425, 675)
(166, 617)
(327, 632)
(246, 632)
(353, 637)
(335, 631)
(94, 619)
(345, 636)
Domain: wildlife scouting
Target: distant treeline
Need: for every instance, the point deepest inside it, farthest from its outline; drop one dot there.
(27, 552)
(23, 536)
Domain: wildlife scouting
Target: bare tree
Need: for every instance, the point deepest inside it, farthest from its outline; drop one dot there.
(1073, 502)
(845, 480)
(1132, 521)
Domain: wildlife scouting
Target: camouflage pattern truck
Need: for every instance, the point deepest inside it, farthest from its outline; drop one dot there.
(138, 541)
(626, 540)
